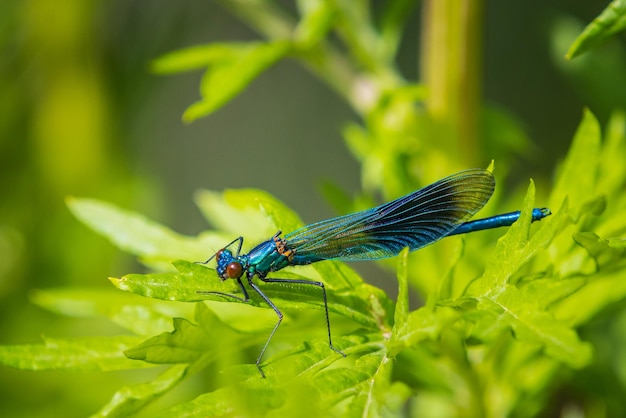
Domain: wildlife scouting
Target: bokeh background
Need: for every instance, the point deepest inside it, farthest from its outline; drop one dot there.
(82, 115)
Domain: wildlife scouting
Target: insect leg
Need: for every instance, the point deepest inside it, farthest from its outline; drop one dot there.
(240, 239)
(318, 284)
(245, 297)
(280, 319)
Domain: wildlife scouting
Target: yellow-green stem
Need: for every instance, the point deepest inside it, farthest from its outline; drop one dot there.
(450, 67)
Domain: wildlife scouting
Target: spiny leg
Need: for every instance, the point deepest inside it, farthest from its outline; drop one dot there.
(280, 319)
(320, 285)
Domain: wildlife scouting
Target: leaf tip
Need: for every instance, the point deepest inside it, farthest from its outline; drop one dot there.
(120, 283)
(197, 110)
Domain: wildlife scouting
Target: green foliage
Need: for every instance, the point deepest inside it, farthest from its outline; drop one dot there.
(491, 349)
(611, 21)
(503, 323)
(83, 355)
(231, 67)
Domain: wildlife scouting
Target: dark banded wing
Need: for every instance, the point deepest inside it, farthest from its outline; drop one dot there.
(413, 221)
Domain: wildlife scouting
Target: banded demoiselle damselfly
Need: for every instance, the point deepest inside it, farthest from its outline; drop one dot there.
(415, 221)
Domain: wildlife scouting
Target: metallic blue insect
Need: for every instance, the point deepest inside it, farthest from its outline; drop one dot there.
(415, 221)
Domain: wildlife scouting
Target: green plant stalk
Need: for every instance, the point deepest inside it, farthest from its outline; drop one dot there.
(274, 24)
(450, 67)
(324, 60)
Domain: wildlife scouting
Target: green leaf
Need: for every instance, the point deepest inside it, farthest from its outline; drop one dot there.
(304, 371)
(139, 315)
(189, 342)
(138, 235)
(446, 283)
(251, 398)
(92, 354)
(616, 242)
(130, 399)
(182, 286)
(604, 252)
(354, 302)
(226, 78)
(183, 345)
(577, 176)
(356, 384)
(310, 360)
(197, 57)
(533, 325)
(351, 297)
(254, 212)
(611, 21)
(402, 303)
(515, 248)
(503, 303)
(603, 286)
(81, 303)
(422, 324)
(606, 288)
(612, 175)
(318, 17)
(394, 19)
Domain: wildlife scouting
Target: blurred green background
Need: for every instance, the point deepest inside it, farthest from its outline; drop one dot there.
(81, 114)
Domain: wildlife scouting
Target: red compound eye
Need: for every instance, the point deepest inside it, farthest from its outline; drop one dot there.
(219, 254)
(234, 270)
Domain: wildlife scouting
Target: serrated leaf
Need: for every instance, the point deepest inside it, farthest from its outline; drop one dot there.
(305, 371)
(379, 396)
(183, 345)
(531, 324)
(252, 398)
(605, 288)
(201, 343)
(130, 399)
(186, 344)
(577, 176)
(422, 324)
(310, 359)
(603, 251)
(338, 388)
(605, 284)
(339, 384)
(90, 354)
(192, 278)
(225, 79)
(502, 303)
(611, 21)
(357, 300)
(515, 248)
(183, 286)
